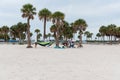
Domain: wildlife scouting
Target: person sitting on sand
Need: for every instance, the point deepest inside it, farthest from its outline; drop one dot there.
(79, 45)
(71, 44)
(65, 45)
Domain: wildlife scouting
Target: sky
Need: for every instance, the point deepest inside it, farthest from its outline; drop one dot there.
(95, 12)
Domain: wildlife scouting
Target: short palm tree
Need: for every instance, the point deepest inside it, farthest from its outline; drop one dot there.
(86, 33)
(67, 31)
(44, 15)
(90, 35)
(49, 35)
(5, 30)
(53, 29)
(118, 33)
(39, 35)
(111, 31)
(103, 30)
(31, 34)
(14, 32)
(57, 19)
(21, 28)
(80, 25)
(98, 35)
(28, 12)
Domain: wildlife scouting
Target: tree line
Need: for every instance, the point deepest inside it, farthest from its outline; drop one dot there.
(109, 33)
(60, 29)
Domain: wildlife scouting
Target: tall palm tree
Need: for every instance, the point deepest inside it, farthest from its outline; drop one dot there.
(57, 19)
(80, 25)
(44, 15)
(37, 32)
(28, 12)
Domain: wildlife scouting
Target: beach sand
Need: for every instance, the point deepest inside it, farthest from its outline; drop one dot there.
(92, 62)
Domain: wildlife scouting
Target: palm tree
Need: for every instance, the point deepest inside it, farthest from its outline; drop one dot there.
(31, 34)
(39, 35)
(49, 35)
(18, 31)
(21, 28)
(14, 32)
(118, 33)
(57, 19)
(102, 31)
(44, 15)
(72, 25)
(25, 27)
(98, 35)
(0, 30)
(90, 35)
(5, 30)
(37, 32)
(23, 36)
(67, 31)
(86, 33)
(80, 25)
(28, 12)
(53, 29)
(111, 31)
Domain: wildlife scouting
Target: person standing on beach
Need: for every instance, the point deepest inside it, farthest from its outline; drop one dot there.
(35, 42)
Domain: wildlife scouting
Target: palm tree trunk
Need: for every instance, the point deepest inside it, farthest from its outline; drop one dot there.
(57, 38)
(28, 34)
(74, 36)
(19, 38)
(57, 34)
(57, 41)
(80, 41)
(115, 38)
(37, 37)
(44, 36)
(49, 38)
(111, 39)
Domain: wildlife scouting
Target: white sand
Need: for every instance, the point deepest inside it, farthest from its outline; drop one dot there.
(92, 62)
